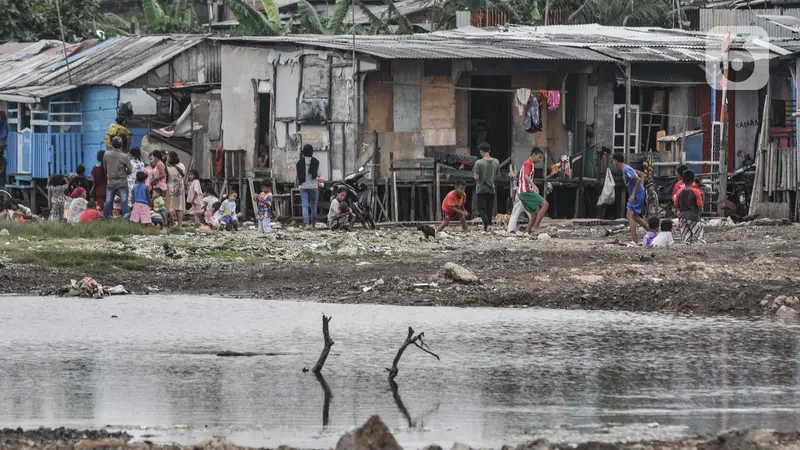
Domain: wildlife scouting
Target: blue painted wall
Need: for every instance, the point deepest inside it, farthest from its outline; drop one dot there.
(99, 108)
(137, 135)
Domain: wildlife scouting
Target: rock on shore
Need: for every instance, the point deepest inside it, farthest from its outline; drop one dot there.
(375, 435)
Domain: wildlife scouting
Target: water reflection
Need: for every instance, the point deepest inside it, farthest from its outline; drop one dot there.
(504, 376)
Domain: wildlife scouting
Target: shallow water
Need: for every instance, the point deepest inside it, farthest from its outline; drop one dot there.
(505, 375)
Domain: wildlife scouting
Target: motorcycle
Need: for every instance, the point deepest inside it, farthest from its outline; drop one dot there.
(740, 187)
(359, 196)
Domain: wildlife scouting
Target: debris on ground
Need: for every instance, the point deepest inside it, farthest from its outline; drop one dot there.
(85, 287)
(459, 274)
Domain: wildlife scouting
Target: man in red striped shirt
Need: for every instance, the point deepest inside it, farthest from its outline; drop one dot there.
(526, 184)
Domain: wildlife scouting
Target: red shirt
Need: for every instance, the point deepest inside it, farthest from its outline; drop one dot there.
(90, 215)
(698, 194)
(100, 180)
(677, 190)
(450, 200)
(527, 171)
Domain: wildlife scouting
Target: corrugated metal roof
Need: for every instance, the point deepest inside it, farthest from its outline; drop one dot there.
(437, 46)
(114, 62)
(560, 42)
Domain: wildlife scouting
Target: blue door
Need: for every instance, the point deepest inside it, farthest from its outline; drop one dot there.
(693, 147)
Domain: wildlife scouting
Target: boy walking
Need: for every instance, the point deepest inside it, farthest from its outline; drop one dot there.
(453, 207)
(634, 180)
(484, 172)
(689, 203)
(528, 199)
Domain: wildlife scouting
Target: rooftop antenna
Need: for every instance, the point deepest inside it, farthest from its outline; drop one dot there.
(63, 42)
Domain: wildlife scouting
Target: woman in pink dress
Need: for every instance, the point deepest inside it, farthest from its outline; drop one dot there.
(158, 172)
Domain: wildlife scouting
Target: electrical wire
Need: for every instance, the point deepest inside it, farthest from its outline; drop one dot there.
(63, 42)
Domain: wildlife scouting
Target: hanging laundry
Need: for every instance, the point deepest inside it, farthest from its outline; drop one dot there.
(553, 100)
(532, 121)
(521, 99)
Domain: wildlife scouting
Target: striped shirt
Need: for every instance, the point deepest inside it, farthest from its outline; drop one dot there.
(526, 172)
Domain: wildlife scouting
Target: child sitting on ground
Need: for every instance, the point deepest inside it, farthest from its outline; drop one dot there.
(453, 207)
(265, 209)
(91, 214)
(209, 199)
(664, 238)
(159, 205)
(77, 205)
(652, 223)
(689, 203)
(216, 216)
(228, 209)
(141, 207)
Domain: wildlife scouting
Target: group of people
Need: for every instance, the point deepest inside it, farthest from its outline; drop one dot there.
(156, 193)
(687, 199)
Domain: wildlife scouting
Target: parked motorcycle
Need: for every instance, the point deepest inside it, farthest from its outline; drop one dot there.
(359, 197)
(740, 188)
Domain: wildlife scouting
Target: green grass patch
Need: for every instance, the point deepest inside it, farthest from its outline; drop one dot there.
(55, 230)
(89, 262)
(115, 238)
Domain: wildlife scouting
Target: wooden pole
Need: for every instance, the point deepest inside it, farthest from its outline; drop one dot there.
(627, 112)
(796, 174)
(438, 188)
(755, 195)
(394, 188)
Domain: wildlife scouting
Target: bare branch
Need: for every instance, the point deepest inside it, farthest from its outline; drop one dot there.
(411, 339)
(328, 344)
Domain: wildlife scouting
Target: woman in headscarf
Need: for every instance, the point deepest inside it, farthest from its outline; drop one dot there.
(176, 200)
(77, 205)
(307, 173)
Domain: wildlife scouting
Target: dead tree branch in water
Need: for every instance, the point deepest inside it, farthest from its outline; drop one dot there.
(398, 401)
(418, 341)
(328, 395)
(328, 344)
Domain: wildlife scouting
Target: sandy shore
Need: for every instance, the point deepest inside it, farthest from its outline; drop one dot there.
(742, 270)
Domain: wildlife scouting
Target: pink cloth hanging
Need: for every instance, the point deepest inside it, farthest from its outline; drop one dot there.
(553, 100)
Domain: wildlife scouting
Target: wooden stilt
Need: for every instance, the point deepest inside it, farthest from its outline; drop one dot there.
(438, 190)
(429, 198)
(413, 204)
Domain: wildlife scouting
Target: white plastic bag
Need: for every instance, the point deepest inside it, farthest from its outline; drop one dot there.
(607, 195)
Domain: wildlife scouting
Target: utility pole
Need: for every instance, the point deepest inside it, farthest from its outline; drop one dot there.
(723, 118)
(627, 112)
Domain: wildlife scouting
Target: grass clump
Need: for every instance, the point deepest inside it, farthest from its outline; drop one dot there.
(56, 230)
(89, 262)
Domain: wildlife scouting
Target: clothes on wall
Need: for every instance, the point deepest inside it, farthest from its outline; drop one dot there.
(530, 104)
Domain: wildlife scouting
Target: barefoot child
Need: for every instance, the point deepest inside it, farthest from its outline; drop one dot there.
(453, 207)
(689, 204)
(159, 205)
(634, 180)
(652, 223)
(141, 207)
(265, 209)
(194, 196)
(209, 199)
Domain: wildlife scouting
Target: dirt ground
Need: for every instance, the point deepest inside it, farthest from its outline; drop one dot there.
(741, 270)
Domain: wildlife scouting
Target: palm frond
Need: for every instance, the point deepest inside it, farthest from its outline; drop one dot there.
(309, 18)
(404, 26)
(336, 24)
(377, 24)
(153, 12)
(252, 19)
(115, 21)
(272, 13)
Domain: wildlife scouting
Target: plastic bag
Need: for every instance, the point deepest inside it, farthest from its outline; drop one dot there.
(607, 195)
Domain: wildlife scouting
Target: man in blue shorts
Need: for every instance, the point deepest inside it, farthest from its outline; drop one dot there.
(634, 180)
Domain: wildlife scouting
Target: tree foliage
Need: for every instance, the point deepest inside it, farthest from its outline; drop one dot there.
(31, 20)
(175, 17)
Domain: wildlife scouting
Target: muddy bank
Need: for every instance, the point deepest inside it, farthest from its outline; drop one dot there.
(741, 271)
(375, 436)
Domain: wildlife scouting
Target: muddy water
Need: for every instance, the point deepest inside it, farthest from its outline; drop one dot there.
(505, 375)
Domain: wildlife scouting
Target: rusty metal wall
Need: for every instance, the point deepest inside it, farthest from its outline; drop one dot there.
(711, 18)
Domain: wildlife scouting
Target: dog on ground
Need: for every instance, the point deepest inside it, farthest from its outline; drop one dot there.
(501, 220)
(428, 231)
